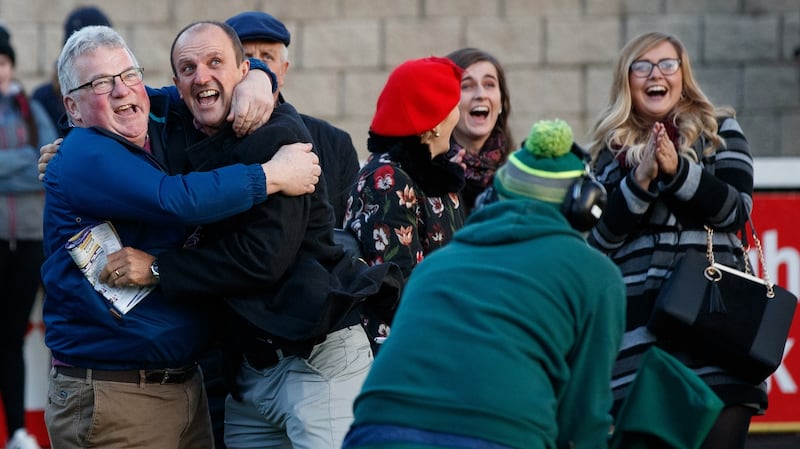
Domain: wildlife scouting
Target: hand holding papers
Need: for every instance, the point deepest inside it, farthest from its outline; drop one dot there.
(89, 249)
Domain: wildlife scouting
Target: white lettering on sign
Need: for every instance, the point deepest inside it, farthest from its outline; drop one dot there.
(782, 378)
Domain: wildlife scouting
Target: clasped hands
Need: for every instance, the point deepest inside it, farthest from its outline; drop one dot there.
(658, 158)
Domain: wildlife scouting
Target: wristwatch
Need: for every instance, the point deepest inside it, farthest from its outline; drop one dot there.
(154, 270)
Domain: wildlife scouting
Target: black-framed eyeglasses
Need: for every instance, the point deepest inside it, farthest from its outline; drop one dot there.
(643, 69)
(105, 84)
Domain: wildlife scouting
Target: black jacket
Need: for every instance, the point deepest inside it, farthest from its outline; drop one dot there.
(339, 161)
(276, 265)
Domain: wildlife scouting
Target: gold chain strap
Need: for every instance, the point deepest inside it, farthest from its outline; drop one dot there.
(763, 260)
(747, 268)
(709, 244)
(711, 272)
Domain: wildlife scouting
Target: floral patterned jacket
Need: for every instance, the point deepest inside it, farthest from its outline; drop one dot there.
(393, 218)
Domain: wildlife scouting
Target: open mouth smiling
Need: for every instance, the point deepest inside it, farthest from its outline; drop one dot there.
(126, 109)
(479, 111)
(656, 91)
(207, 96)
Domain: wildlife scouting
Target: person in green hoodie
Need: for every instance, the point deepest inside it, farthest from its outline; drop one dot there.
(505, 337)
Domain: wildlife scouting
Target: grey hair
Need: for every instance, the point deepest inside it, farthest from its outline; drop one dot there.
(86, 40)
(284, 52)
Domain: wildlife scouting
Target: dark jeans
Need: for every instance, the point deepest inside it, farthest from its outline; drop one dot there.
(379, 435)
(19, 282)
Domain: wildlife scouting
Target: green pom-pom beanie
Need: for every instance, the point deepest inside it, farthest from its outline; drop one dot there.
(544, 168)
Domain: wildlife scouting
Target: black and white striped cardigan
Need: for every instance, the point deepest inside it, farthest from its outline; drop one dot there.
(644, 232)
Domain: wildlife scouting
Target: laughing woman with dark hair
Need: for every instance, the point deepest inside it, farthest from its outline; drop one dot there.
(482, 130)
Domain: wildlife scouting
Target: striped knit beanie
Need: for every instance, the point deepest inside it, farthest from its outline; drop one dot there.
(544, 168)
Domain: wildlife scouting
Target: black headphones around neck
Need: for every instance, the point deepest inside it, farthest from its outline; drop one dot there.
(586, 197)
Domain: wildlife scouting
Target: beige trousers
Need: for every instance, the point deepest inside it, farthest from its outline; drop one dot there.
(88, 413)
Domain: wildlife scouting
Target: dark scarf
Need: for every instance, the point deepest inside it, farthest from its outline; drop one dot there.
(481, 167)
(436, 177)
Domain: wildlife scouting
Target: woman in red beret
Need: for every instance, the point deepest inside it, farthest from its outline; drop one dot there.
(405, 203)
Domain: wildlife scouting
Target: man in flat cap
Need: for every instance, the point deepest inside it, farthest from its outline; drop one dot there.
(266, 38)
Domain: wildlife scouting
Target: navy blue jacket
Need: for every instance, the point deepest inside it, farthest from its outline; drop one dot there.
(97, 176)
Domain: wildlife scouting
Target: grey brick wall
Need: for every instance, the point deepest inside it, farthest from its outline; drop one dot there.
(557, 53)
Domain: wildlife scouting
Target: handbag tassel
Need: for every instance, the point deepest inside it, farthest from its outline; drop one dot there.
(715, 302)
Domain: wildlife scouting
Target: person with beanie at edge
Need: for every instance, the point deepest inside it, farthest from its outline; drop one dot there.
(267, 38)
(482, 131)
(24, 125)
(672, 164)
(504, 338)
(49, 93)
(405, 203)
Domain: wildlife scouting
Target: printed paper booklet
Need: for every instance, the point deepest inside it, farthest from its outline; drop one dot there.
(89, 249)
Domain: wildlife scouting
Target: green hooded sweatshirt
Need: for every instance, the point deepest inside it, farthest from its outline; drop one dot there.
(507, 334)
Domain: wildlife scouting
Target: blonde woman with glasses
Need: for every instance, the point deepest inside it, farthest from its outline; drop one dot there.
(672, 164)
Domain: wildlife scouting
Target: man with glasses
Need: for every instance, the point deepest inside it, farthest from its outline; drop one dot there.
(131, 379)
(298, 352)
(105, 84)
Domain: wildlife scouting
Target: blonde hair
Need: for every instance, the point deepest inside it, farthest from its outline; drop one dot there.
(618, 128)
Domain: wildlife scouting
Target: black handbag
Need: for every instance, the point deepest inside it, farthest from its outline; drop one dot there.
(729, 317)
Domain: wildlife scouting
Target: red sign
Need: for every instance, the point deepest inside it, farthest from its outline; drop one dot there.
(776, 216)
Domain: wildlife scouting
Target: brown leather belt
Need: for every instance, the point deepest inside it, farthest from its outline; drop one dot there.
(151, 376)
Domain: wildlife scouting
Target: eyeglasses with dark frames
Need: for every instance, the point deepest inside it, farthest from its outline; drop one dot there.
(105, 84)
(643, 69)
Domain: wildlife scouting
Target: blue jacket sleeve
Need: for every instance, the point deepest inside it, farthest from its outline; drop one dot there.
(257, 64)
(102, 178)
(170, 92)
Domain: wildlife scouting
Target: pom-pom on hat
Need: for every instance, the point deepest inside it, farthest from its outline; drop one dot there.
(82, 17)
(418, 95)
(544, 168)
(257, 25)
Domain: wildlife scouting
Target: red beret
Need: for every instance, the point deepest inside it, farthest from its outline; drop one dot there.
(417, 96)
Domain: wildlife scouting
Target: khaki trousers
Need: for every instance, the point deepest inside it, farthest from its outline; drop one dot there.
(89, 413)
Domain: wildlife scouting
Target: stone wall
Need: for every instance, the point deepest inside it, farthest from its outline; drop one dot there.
(557, 53)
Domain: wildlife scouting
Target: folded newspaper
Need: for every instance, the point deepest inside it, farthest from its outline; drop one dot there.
(89, 249)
